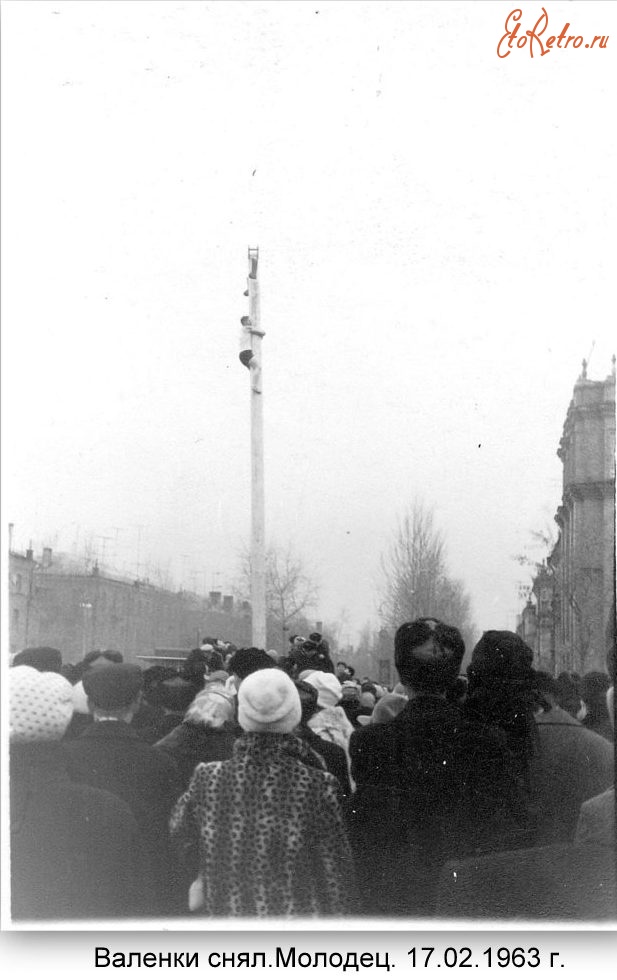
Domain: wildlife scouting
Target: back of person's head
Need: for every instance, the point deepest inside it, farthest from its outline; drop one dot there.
(269, 703)
(214, 662)
(308, 700)
(368, 687)
(500, 657)
(43, 659)
(95, 656)
(173, 694)
(428, 654)
(503, 691)
(350, 691)
(212, 708)
(194, 666)
(546, 683)
(386, 709)
(546, 691)
(594, 686)
(568, 695)
(248, 660)
(328, 687)
(40, 705)
(113, 689)
(155, 675)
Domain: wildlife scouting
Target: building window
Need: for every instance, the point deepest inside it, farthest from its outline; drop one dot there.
(16, 619)
(18, 583)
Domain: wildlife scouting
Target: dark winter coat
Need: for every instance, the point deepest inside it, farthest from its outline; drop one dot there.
(571, 765)
(111, 756)
(190, 743)
(269, 832)
(430, 786)
(75, 850)
(333, 756)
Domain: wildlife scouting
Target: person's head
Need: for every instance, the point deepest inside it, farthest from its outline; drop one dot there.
(40, 705)
(153, 676)
(195, 666)
(594, 686)
(350, 692)
(328, 687)
(546, 686)
(247, 661)
(173, 695)
(43, 659)
(500, 657)
(503, 691)
(386, 710)
(269, 703)
(367, 700)
(101, 658)
(428, 655)
(114, 692)
(308, 700)
(211, 708)
(568, 696)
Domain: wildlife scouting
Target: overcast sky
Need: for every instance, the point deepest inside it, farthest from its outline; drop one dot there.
(436, 232)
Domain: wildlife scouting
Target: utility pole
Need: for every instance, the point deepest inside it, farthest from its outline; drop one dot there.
(250, 356)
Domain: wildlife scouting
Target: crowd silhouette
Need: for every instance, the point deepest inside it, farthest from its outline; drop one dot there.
(251, 785)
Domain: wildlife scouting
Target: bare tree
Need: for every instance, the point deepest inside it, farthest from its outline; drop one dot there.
(291, 592)
(416, 581)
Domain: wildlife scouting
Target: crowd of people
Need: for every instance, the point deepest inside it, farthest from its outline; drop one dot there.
(247, 784)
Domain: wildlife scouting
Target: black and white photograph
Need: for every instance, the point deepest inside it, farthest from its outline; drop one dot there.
(308, 435)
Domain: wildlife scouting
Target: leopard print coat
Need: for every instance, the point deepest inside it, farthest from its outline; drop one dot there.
(269, 832)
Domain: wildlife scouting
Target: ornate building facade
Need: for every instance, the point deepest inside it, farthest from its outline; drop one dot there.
(567, 620)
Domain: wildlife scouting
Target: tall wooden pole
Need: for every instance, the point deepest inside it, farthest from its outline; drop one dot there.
(251, 356)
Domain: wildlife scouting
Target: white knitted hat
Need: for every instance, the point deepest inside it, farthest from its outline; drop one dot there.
(268, 702)
(41, 705)
(328, 687)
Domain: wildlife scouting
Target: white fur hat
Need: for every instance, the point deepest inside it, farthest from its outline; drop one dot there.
(328, 687)
(268, 702)
(41, 705)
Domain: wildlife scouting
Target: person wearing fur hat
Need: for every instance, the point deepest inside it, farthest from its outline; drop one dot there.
(430, 784)
(246, 661)
(559, 762)
(41, 658)
(110, 755)
(266, 823)
(75, 850)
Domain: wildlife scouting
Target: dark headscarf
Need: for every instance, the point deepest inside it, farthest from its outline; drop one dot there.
(503, 690)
